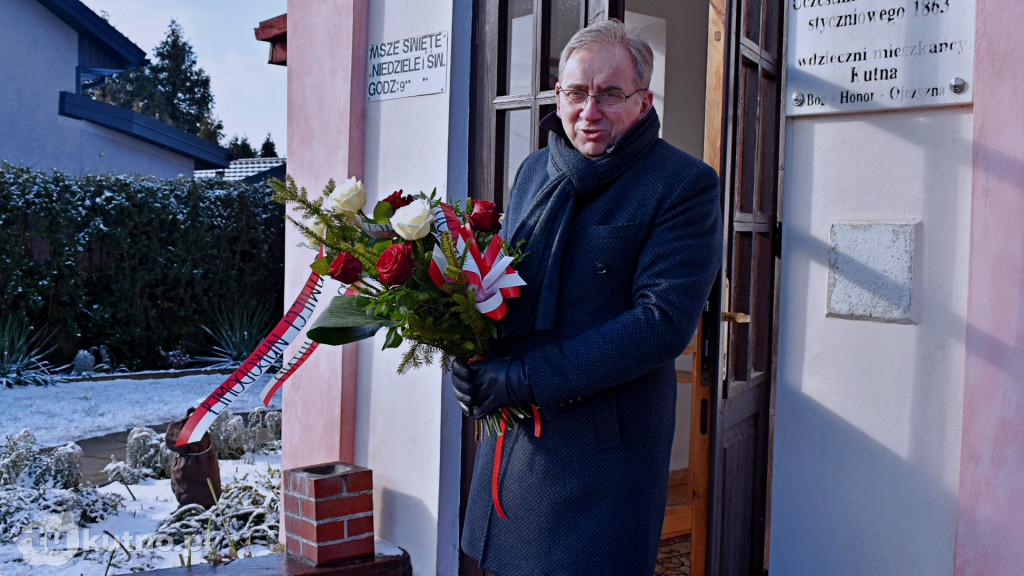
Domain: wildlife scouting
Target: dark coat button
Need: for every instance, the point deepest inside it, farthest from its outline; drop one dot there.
(600, 268)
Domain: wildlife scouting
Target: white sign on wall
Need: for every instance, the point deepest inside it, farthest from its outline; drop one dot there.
(408, 67)
(854, 55)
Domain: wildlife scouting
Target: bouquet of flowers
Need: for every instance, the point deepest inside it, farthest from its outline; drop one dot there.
(433, 275)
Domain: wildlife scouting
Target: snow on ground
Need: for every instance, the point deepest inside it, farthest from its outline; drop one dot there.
(86, 408)
(139, 517)
(82, 409)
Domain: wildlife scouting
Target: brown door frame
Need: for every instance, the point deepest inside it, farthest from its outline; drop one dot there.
(703, 400)
(718, 152)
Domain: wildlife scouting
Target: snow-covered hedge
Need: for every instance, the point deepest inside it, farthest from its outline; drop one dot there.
(133, 263)
(21, 464)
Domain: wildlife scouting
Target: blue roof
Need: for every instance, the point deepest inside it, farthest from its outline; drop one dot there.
(119, 53)
(205, 153)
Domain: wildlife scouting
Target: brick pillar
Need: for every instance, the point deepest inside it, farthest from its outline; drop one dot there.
(328, 512)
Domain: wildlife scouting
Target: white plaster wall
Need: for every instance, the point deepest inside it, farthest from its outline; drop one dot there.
(868, 414)
(399, 422)
(33, 81)
(682, 36)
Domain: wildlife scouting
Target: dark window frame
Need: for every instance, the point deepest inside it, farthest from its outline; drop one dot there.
(490, 102)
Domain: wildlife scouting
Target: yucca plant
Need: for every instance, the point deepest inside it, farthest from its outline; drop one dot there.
(22, 353)
(236, 332)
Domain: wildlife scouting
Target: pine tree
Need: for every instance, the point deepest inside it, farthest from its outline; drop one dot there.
(173, 89)
(212, 130)
(241, 147)
(268, 150)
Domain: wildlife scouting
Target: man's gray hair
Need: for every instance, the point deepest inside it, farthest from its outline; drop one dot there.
(613, 33)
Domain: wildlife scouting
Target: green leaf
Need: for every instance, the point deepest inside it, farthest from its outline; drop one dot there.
(345, 311)
(344, 321)
(321, 265)
(336, 336)
(383, 212)
(394, 338)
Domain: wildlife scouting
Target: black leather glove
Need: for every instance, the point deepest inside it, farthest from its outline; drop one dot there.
(488, 385)
(462, 385)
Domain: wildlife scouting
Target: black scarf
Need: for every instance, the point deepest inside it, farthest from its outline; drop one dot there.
(545, 224)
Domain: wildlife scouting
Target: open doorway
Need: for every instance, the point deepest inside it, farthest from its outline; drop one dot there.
(677, 32)
(722, 73)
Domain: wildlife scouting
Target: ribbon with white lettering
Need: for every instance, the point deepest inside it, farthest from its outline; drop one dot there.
(255, 365)
(289, 368)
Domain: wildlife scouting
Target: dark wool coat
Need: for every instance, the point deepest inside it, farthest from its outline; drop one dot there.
(587, 498)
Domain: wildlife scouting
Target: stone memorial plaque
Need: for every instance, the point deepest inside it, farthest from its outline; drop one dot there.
(871, 271)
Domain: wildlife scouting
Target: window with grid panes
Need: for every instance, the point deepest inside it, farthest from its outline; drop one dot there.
(517, 46)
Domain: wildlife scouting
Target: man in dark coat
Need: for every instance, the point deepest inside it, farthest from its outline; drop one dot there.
(623, 239)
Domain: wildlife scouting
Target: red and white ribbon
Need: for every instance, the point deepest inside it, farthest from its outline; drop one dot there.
(374, 230)
(287, 370)
(490, 272)
(256, 364)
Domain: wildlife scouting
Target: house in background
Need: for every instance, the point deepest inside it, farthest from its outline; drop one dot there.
(250, 170)
(54, 50)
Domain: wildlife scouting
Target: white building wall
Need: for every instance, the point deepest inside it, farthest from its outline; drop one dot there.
(34, 78)
(868, 414)
(87, 148)
(399, 422)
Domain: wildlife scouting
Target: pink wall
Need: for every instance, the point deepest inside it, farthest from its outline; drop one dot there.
(990, 524)
(326, 73)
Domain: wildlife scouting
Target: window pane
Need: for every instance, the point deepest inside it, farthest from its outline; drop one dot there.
(517, 143)
(542, 135)
(752, 20)
(566, 19)
(520, 46)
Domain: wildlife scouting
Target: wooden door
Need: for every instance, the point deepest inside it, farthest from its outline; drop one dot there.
(748, 53)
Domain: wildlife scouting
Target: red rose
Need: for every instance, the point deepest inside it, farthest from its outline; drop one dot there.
(397, 200)
(484, 218)
(345, 268)
(395, 264)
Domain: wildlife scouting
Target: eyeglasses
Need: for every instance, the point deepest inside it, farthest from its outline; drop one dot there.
(605, 100)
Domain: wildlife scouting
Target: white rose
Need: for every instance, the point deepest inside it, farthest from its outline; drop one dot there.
(349, 196)
(316, 226)
(413, 221)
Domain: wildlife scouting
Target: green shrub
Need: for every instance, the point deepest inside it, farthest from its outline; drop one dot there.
(134, 263)
(22, 353)
(236, 331)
